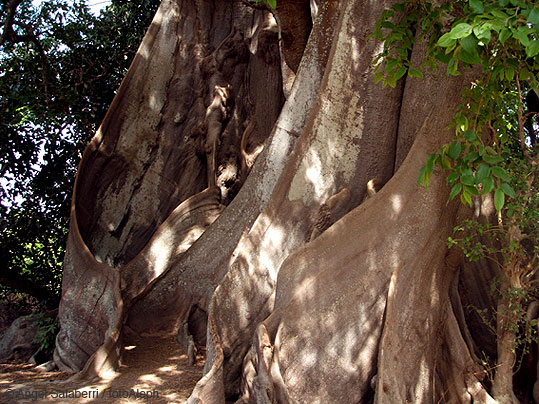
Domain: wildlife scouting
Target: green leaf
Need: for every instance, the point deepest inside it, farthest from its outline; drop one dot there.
(421, 175)
(379, 77)
(398, 7)
(445, 163)
(533, 17)
(470, 135)
(466, 171)
(466, 198)
(510, 73)
(503, 3)
(482, 32)
(430, 162)
(462, 123)
(388, 24)
(424, 176)
(499, 199)
(455, 190)
(460, 31)
(391, 81)
(507, 189)
(477, 6)
(472, 190)
(415, 73)
(522, 35)
(400, 72)
(449, 50)
(497, 25)
(453, 67)
(446, 41)
(442, 57)
(488, 185)
(471, 157)
(391, 64)
(499, 14)
(483, 171)
(454, 150)
(499, 71)
(470, 58)
(500, 173)
(492, 159)
(469, 44)
(272, 3)
(533, 48)
(451, 178)
(468, 180)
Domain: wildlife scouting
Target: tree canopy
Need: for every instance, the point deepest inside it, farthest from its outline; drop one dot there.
(60, 67)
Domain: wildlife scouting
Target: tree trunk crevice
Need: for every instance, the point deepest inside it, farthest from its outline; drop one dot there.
(292, 231)
(139, 196)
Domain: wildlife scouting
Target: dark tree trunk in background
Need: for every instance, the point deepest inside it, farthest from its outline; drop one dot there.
(319, 274)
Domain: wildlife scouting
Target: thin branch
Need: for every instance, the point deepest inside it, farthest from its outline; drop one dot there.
(8, 33)
(521, 121)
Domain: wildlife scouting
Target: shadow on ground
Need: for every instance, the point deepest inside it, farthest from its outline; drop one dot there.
(154, 370)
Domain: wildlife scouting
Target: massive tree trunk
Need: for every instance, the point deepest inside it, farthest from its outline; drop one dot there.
(319, 274)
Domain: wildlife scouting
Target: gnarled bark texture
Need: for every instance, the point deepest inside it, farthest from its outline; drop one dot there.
(141, 196)
(323, 276)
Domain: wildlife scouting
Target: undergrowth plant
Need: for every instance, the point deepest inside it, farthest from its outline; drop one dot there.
(47, 329)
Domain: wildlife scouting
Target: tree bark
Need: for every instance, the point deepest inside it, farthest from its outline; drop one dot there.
(346, 141)
(506, 325)
(309, 290)
(139, 199)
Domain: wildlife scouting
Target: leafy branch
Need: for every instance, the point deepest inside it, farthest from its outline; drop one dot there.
(490, 152)
(502, 37)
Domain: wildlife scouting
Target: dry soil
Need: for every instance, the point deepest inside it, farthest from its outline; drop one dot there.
(154, 370)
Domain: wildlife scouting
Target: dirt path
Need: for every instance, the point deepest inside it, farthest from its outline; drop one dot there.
(154, 370)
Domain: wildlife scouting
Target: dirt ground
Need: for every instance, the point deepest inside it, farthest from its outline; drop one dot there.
(154, 370)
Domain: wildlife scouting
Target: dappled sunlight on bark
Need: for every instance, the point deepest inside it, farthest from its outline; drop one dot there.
(135, 175)
(323, 276)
